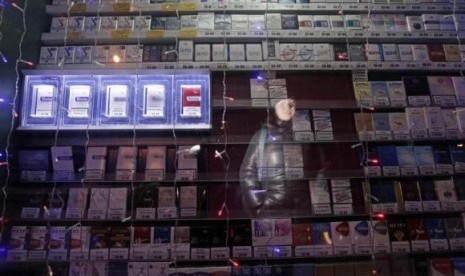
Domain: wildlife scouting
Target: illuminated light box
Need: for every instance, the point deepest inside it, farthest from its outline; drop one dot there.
(116, 99)
(40, 105)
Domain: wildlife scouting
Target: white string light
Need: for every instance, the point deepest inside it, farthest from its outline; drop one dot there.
(173, 244)
(365, 158)
(223, 154)
(61, 91)
(134, 116)
(459, 41)
(13, 115)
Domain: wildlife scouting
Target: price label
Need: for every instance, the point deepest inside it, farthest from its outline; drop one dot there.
(119, 33)
(78, 7)
(33, 176)
(372, 171)
(187, 33)
(78, 255)
(409, 171)
(222, 66)
(74, 35)
(401, 135)
(419, 134)
(30, 213)
(124, 175)
(154, 33)
(57, 256)
(321, 209)
(122, 7)
(413, 206)
(323, 250)
(457, 243)
(53, 213)
(37, 255)
(362, 249)
(17, 255)
(303, 250)
(94, 174)
(139, 254)
(400, 247)
(242, 252)
(119, 253)
(97, 214)
(439, 244)
(181, 254)
(383, 135)
(63, 175)
(188, 212)
(219, 253)
(427, 170)
(431, 206)
(381, 248)
(342, 249)
(157, 254)
(145, 213)
(282, 251)
(73, 213)
(169, 7)
(445, 168)
(116, 213)
(445, 101)
(448, 206)
(187, 6)
(99, 254)
(167, 212)
(342, 209)
(200, 253)
(391, 171)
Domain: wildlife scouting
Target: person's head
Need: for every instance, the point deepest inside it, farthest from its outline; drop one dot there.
(285, 109)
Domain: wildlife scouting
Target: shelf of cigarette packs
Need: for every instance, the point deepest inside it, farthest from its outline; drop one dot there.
(254, 56)
(188, 8)
(118, 36)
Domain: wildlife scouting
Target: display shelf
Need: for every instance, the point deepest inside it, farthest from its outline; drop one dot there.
(72, 138)
(276, 66)
(324, 88)
(213, 221)
(216, 177)
(207, 177)
(314, 7)
(233, 36)
(272, 260)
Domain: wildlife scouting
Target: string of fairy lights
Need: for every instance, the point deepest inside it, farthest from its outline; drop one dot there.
(221, 154)
(14, 115)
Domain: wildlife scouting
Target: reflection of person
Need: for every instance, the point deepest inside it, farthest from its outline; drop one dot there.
(262, 173)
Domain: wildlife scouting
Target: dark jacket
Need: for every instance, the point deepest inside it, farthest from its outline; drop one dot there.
(263, 187)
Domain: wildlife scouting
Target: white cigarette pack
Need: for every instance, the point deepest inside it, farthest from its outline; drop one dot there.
(202, 52)
(288, 51)
(48, 55)
(236, 52)
(253, 52)
(273, 21)
(420, 52)
(415, 23)
(220, 52)
(405, 52)
(322, 52)
(206, 21)
(321, 22)
(431, 21)
(186, 50)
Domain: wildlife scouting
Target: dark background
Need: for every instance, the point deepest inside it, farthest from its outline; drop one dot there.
(12, 29)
